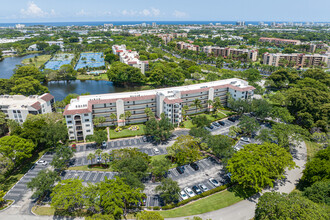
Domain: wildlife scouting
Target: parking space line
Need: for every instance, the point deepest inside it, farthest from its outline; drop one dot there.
(102, 177)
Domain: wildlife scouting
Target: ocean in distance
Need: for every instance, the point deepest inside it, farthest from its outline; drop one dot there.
(97, 23)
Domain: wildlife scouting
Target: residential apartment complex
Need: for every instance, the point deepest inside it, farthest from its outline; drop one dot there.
(169, 37)
(279, 41)
(297, 60)
(187, 46)
(17, 107)
(234, 53)
(129, 57)
(80, 112)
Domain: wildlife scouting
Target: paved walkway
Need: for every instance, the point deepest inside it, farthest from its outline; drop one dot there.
(244, 210)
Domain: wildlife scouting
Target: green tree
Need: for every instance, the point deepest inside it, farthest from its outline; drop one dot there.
(221, 146)
(257, 166)
(185, 150)
(43, 183)
(234, 130)
(28, 86)
(201, 121)
(248, 125)
(3, 124)
(62, 156)
(160, 130)
(282, 114)
(90, 157)
(261, 108)
(117, 198)
(113, 116)
(124, 74)
(2, 195)
(100, 136)
(16, 149)
(197, 104)
(128, 114)
(169, 190)
(217, 105)
(159, 166)
(185, 109)
(252, 75)
(273, 205)
(54, 132)
(149, 113)
(28, 71)
(68, 195)
(147, 215)
(199, 132)
(98, 121)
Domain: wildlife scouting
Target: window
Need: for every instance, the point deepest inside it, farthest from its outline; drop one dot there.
(88, 125)
(70, 127)
(21, 120)
(14, 111)
(235, 90)
(68, 116)
(18, 111)
(86, 120)
(69, 122)
(235, 95)
(85, 114)
(88, 131)
(105, 105)
(70, 132)
(15, 116)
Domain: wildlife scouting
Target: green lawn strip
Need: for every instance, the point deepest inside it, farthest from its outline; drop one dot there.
(86, 168)
(16, 175)
(43, 210)
(211, 117)
(37, 62)
(213, 202)
(8, 203)
(102, 76)
(312, 149)
(126, 132)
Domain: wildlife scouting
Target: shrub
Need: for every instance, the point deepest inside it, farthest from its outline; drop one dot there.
(118, 129)
(156, 208)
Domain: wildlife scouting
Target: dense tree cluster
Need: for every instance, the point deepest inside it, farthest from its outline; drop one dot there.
(159, 130)
(123, 74)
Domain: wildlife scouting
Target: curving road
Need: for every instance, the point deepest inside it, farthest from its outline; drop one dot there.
(244, 210)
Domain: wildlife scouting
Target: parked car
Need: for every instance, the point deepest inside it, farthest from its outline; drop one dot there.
(194, 166)
(246, 139)
(211, 127)
(98, 159)
(183, 195)
(232, 119)
(221, 123)
(42, 162)
(203, 187)
(189, 192)
(104, 144)
(144, 139)
(180, 170)
(144, 201)
(156, 151)
(216, 124)
(214, 182)
(196, 190)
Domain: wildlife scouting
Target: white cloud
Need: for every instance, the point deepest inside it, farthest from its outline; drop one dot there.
(145, 12)
(128, 12)
(33, 10)
(179, 14)
(155, 11)
(152, 12)
(82, 12)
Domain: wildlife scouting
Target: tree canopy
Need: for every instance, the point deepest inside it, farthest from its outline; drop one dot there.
(123, 74)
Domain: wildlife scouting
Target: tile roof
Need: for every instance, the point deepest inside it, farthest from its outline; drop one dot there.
(47, 97)
(36, 106)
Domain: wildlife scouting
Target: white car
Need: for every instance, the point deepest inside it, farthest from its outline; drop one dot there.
(104, 144)
(156, 151)
(183, 195)
(246, 139)
(42, 162)
(203, 187)
(189, 192)
(214, 182)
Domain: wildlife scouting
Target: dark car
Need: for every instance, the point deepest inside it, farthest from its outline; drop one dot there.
(196, 190)
(194, 166)
(216, 124)
(232, 119)
(180, 170)
(211, 127)
(221, 123)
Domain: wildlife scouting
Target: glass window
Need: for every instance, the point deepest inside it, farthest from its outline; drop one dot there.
(85, 114)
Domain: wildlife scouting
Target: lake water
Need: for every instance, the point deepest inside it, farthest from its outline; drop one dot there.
(60, 89)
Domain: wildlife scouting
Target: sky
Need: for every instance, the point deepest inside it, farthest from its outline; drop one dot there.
(25, 11)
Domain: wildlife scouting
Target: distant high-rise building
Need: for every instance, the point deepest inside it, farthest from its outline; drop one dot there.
(108, 25)
(154, 24)
(20, 26)
(240, 23)
(273, 24)
(144, 24)
(261, 23)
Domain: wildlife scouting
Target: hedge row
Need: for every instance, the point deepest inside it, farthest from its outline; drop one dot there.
(202, 195)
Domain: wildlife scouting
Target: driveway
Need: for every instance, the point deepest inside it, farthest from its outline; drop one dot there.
(244, 210)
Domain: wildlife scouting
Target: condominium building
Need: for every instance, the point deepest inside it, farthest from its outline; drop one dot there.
(233, 53)
(80, 112)
(279, 41)
(130, 58)
(187, 46)
(169, 37)
(17, 107)
(297, 60)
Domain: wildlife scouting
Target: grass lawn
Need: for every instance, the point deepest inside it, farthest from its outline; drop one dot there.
(102, 76)
(126, 132)
(312, 149)
(16, 175)
(37, 62)
(85, 168)
(211, 117)
(43, 210)
(214, 202)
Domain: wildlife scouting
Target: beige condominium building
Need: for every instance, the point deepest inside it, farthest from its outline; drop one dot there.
(17, 107)
(80, 112)
(297, 60)
(233, 53)
(279, 41)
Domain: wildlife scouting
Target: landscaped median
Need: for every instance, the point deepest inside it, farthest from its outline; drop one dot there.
(126, 132)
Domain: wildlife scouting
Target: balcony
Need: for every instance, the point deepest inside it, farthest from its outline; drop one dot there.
(78, 128)
(77, 122)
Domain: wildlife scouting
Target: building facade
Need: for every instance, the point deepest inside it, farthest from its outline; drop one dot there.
(279, 41)
(130, 58)
(233, 53)
(17, 107)
(80, 112)
(296, 60)
(187, 46)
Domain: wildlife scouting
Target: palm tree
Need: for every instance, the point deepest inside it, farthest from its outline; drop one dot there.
(105, 157)
(217, 104)
(197, 104)
(128, 114)
(90, 157)
(149, 113)
(113, 116)
(210, 103)
(185, 108)
(122, 117)
(98, 152)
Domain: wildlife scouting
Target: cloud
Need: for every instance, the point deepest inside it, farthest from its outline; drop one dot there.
(151, 12)
(155, 11)
(82, 13)
(33, 10)
(179, 14)
(128, 12)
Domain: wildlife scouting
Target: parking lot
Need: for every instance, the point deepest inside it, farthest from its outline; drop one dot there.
(16, 193)
(224, 128)
(87, 176)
